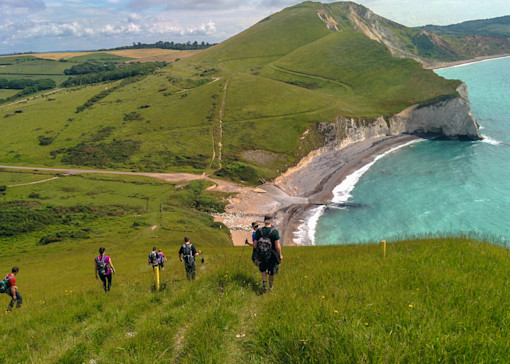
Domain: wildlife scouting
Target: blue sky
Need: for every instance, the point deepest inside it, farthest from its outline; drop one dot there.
(57, 25)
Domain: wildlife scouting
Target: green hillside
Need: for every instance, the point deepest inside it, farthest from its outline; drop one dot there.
(429, 301)
(303, 65)
(495, 27)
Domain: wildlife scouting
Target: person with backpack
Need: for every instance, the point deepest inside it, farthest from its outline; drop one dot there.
(161, 259)
(103, 267)
(153, 258)
(8, 286)
(254, 258)
(268, 250)
(187, 254)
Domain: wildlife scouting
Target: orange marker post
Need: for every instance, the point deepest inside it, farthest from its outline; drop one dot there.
(383, 243)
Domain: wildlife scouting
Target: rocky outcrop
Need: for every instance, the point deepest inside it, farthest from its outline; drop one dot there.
(451, 118)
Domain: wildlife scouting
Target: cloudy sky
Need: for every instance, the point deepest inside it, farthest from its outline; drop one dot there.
(57, 25)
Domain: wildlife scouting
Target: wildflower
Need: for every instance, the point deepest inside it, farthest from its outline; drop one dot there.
(323, 297)
(306, 276)
(336, 311)
(366, 323)
(411, 306)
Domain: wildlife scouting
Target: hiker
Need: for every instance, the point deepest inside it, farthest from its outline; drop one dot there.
(9, 284)
(153, 258)
(269, 251)
(103, 267)
(187, 254)
(161, 259)
(254, 226)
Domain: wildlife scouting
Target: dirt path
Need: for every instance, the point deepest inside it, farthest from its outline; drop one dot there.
(33, 183)
(222, 111)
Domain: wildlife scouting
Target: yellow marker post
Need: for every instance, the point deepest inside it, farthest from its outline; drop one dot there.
(383, 243)
(156, 277)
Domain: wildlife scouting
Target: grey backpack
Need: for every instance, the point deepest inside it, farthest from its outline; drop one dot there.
(187, 253)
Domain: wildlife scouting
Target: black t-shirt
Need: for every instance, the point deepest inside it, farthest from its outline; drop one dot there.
(193, 250)
(275, 235)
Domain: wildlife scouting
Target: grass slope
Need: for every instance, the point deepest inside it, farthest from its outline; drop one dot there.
(433, 300)
(285, 74)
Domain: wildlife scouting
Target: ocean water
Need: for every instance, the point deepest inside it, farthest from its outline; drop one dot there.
(432, 186)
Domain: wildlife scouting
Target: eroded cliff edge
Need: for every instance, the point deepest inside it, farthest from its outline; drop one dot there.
(451, 118)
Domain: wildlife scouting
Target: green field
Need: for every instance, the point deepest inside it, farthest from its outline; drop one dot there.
(440, 300)
(92, 207)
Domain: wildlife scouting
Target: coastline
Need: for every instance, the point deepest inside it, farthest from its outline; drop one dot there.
(297, 191)
(317, 179)
(440, 65)
(291, 196)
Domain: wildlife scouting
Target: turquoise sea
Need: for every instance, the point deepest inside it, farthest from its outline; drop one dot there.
(434, 186)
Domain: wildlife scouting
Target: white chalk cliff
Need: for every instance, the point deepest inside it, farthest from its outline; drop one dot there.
(451, 118)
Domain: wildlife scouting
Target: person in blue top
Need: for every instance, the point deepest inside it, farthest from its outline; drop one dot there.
(104, 268)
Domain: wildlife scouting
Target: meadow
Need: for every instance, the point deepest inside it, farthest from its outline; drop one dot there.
(441, 300)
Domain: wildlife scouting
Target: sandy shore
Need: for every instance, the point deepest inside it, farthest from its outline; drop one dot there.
(300, 188)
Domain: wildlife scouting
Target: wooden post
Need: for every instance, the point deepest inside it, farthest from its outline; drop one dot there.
(383, 243)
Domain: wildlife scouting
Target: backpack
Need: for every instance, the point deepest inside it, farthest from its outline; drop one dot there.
(187, 254)
(153, 257)
(265, 247)
(4, 285)
(101, 266)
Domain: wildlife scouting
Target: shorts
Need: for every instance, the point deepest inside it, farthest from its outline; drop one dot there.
(270, 267)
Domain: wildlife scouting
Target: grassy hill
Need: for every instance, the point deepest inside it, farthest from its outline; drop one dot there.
(433, 300)
(303, 65)
(495, 27)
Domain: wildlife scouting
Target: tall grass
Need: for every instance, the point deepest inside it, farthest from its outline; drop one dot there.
(431, 300)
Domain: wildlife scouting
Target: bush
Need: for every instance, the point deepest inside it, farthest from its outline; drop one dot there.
(238, 171)
(45, 140)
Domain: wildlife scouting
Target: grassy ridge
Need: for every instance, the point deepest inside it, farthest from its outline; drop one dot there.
(431, 300)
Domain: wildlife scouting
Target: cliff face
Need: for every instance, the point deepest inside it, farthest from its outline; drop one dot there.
(451, 118)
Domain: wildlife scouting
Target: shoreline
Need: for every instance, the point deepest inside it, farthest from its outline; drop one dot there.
(441, 65)
(324, 172)
(311, 183)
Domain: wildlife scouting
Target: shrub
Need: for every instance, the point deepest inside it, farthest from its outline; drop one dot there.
(45, 140)
(238, 171)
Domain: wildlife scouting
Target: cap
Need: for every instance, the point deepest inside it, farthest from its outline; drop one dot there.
(268, 218)
(254, 224)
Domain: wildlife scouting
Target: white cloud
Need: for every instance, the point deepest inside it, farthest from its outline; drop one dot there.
(27, 4)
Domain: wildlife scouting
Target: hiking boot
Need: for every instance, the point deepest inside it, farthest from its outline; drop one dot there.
(18, 306)
(264, 286)
(270, 286)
